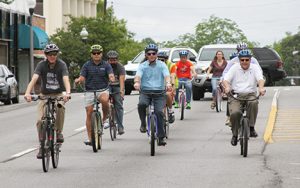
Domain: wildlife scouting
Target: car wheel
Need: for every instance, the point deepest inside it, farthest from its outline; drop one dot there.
(16, 99)
(268, 81)
(127, 91)
(8, 100)
(198, 93)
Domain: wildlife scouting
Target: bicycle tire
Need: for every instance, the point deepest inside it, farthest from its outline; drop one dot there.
(182, 104)
(241, 130)
(94, 132)
(152, 136)
(219, 101)
(167, 124)
(245, 124)
(54, 150)
(100, 130)
(112, 127)
(45, 147)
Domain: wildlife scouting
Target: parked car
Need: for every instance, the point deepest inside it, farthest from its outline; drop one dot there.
(8, 86)
(132, 66)
(268, 59)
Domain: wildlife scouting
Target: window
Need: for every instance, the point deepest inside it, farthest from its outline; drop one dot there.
(264, 54)
(208, 54)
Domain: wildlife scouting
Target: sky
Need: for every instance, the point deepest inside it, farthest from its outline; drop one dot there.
(263, 21)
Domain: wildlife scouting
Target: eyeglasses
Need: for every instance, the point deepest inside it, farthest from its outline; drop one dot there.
(244, 60)
(153, 53)
(52, 54)
(96, 53)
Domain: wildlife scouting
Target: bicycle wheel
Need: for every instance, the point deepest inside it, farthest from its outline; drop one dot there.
(54, 149)
(45, 147)
(152, 136)
(245, 125)
(112, 127)
(218, 100)
(100, 130)
(166, 125)
(94, 132)
(182, 105)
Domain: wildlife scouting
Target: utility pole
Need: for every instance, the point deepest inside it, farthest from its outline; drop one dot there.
(104, 7)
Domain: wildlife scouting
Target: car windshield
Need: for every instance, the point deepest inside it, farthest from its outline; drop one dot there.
(208, 54)
(140, 58)
(175, 55)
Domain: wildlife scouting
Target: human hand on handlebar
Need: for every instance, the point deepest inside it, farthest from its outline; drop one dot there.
(262, 91)
(136, 85)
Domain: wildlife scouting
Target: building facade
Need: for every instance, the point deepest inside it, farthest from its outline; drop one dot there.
(55, 12)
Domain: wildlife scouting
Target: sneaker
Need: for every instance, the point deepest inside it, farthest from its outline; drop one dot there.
(87, 142)
(121, 131)
(176, 105)
(171, 116)
(39, 154)
(227, 122)
(234, 140)
(143, 129)
(213, 105)
(106, 123)
(161, 141)
(253, 132)
(188, 106)
(59, 137)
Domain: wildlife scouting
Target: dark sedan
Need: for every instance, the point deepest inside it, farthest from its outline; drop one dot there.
(8, 86)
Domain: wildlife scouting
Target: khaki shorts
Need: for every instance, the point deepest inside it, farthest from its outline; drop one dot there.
(89, 97)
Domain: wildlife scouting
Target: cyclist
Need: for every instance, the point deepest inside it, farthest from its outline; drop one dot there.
(96, 73)
(152, 76)
(163, 56)
(217, 66)
(243, 78)
(55, 80)
(184, 72)
(117, 87)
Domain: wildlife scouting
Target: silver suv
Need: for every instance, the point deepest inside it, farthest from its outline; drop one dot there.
(132, 66)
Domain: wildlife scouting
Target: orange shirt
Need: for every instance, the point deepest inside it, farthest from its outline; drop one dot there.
(183, 70)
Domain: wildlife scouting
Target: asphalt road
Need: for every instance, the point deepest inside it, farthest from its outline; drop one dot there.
(198, 153)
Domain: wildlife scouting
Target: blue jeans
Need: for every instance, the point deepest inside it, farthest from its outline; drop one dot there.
(188, 88)
(118, 103)
(214, 82)
(159, 102)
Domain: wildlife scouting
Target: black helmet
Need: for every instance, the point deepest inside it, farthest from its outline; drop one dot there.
(162, 54)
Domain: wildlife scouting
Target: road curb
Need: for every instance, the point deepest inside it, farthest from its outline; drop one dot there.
(271, 121)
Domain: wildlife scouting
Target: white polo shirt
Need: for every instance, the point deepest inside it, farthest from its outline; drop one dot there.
(244, 81)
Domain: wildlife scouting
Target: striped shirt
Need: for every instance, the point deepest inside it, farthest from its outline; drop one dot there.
(96, 76)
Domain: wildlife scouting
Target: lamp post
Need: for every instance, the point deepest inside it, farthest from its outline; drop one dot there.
(31, 5)
(84, 35)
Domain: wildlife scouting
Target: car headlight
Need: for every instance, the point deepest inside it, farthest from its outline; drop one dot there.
(200, 70)
(2, 84)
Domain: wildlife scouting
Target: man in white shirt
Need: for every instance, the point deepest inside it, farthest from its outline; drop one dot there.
(243, 78)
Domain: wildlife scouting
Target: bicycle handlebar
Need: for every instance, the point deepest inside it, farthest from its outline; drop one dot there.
(234, 95)
(46, 97)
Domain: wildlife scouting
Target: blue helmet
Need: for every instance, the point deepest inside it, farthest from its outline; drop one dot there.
(183, 53)
(152, 47)
(241, 46)
(245, 53)
(233, 55)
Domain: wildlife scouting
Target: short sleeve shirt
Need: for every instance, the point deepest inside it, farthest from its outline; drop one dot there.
(183, 70)
(217, 69)
(118, 70)
(52, 78)
(153, 75)
(96, 76)
(244, 81)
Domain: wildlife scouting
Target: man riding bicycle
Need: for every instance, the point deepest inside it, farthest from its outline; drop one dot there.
(55, 80)
(96, 74)
(152, 76)
(243, 78)
(117, 87)
(163, 56)
(184, 72)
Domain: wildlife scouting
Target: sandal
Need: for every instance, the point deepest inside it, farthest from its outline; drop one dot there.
(213, 105)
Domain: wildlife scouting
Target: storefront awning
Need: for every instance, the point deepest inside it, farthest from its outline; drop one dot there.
(40, 38)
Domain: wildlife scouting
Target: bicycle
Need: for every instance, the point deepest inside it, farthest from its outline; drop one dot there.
(219, 97)
(152, 126)
(49, 145)
(96, 123)
(244, 129)
(112, 113)
(166, 123)
(182, 97)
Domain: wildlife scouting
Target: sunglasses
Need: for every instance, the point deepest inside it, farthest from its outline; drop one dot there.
(244, 60)
(52, 54)
(96, 53)
(113, 59)
(153, 53)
